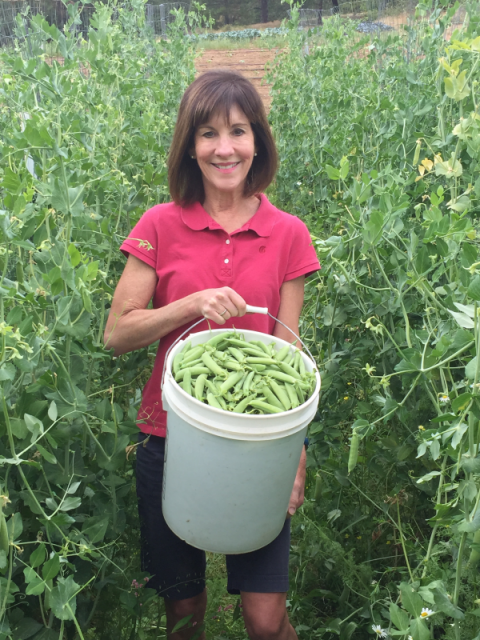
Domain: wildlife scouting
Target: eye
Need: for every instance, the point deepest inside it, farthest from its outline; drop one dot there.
(238, 132)
(208, 134)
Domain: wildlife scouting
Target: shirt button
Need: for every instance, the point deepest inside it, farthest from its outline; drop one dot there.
(227, 241)
(226, 260)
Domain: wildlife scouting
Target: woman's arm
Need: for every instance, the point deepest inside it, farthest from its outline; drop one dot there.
(291, 301)
(131, 325)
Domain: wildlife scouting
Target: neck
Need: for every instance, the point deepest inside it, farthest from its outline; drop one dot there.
(230, 210)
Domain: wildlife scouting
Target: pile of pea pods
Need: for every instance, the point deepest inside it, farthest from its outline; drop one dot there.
(230, 373)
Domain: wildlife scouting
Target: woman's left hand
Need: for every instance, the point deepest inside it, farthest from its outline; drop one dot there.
(298, 492)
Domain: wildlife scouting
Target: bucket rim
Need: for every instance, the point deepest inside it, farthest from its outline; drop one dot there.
(242, 416)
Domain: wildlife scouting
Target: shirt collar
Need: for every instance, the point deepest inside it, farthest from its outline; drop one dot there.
(197, 219)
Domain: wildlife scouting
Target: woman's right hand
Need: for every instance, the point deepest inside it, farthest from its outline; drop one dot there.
(219, 305)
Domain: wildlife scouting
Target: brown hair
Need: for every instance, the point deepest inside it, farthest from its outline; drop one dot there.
(217, 91)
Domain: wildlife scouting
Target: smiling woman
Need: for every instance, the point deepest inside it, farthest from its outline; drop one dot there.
(217, 244)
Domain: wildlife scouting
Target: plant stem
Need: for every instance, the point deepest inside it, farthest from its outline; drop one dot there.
(402, 540)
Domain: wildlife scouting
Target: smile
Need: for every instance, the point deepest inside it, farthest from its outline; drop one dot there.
(226, 166)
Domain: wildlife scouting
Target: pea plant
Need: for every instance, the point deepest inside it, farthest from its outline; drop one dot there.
(85, 127)
(380, 152)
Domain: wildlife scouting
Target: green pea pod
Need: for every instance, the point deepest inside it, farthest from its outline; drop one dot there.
(296, 361)
(265, 407)
(191, 363)
(271, 397)
(258, 367)
(302, 369)
(212, 387)
(187, 382)
(254, 352)
(237, 354)
(241, 406)
(212, 401)
(240, 383)
(281, 394)
(318, 488)
(177, 361)
(283, 353)
(222, 402)
(353, 457)
(187, 347)
(200, 386)
(4, 541)
(292, 395)
(300, 394)
(279, 375)
(194, 371)
(233, 365)
(218, 338)
(286, 368)
(248, 381)
(231, 381)
(263, 360)
(261, 345)
(194, 353)
(238, 342)
(213, 366)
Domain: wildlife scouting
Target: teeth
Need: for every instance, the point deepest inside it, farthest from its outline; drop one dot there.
(226, 166)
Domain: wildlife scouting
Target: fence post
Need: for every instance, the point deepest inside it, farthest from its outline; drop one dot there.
(163, 24)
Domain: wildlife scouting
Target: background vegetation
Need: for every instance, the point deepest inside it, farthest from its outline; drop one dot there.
(380, 144)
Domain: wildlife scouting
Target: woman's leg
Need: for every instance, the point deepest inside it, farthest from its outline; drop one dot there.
(266, 617)
(177, 570)
(179, 609)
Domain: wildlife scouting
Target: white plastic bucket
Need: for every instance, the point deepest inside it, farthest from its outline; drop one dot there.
(228, 477)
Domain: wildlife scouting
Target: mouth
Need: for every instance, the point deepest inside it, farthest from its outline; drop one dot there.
(225, 166)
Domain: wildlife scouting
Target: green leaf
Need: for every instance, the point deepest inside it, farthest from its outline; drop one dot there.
(46, 455)
(37, 557)
(70, 503)
(26, 628)
(95, 528)
(411, 600)
(63, 599)
(15, 526)
(398, 617)
(445, 605)
(333, 174)
(51, 568)
(419, 630)
(183, 623)
(471, 368)
(462, 402)
(472, 526)
(75, 255)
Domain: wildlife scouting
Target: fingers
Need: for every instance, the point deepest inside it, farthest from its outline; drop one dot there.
(222, 304)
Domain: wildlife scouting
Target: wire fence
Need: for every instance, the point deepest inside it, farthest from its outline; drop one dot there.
(16, 17)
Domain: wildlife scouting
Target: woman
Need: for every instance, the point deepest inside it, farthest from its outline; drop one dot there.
(217, 246)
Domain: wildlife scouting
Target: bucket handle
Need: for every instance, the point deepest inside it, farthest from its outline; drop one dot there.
(250, 309)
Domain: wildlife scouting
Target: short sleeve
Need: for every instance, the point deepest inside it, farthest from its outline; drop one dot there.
(303, 259)
(142, 240)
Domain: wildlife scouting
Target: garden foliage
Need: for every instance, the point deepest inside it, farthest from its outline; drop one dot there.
(380, 153)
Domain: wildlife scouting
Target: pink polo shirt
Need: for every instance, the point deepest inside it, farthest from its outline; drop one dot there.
(191, 252)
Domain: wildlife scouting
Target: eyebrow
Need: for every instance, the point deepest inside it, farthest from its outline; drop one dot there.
(232, 126)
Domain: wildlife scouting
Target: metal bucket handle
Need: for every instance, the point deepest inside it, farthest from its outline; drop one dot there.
(250, 309)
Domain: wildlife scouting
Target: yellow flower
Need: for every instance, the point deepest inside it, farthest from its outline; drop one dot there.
(359, 537)
(345, 397)
(347, 535)
(388, 541)
(421, 427)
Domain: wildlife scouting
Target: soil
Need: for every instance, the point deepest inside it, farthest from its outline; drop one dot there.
(250, 62)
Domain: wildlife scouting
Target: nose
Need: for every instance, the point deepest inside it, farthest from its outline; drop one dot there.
(224, 146)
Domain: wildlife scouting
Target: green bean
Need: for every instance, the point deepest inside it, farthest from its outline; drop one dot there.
(264, 406)
(212, 365)
(194, 371)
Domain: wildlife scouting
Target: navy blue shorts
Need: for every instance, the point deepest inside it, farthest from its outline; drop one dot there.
(178, 569)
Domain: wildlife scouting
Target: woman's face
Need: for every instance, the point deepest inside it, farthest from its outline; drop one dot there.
(225, 152)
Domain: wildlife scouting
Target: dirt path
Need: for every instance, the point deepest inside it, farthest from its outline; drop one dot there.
(250, 62)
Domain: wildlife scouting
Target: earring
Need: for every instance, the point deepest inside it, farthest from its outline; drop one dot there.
(192, 157)
(255, 153)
